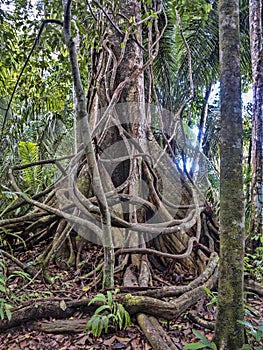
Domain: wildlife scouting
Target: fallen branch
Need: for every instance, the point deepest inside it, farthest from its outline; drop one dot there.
(155, 334)
(44, 309)
(60, 326)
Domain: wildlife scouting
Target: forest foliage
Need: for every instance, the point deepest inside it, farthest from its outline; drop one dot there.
(38, 107)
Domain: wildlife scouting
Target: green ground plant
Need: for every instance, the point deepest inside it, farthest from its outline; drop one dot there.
(204, 344)
(7, 296)
(254, 259)
(254, 331)
(109, 313)
(5, 306)
(254, 335)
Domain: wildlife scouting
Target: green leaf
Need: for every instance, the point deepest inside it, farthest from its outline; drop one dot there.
(2, 278)
(105, 320)
(259, 335)
(29, 153)
(201, 337)
(114, 317)
(2, 315)
(2, 289)
(101, 308)
(8, 311)
(95, 326)
(246, 324)
(208, 291)
(246, 347)
(110, 299)
(88, 325)
(208, 8)
(120, 319)
(100, 326)
(127, 319)
(194, 346)
(22, 274)
(122, 314)
(213, 346)
(98, 298)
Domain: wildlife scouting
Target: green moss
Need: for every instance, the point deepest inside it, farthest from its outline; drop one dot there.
(132, 300)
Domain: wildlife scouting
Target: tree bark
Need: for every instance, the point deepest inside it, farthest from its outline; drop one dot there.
(256, 49)
(229, 333)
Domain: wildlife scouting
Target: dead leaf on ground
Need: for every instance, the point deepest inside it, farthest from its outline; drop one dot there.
(109, 342)
(123, 340)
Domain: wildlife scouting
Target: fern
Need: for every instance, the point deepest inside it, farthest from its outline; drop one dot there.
(29, 153)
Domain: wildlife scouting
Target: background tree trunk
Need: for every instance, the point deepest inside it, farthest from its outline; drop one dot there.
(256, 49)
(229, 334)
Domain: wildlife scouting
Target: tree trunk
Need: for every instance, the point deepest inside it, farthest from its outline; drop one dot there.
(118, 82)
(256, 49)
(229, 334)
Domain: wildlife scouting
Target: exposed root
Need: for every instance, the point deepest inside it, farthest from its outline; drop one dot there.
(155, 334)
(253, 286)
(201, 321)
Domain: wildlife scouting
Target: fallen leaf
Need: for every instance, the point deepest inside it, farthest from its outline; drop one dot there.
(147, 347)
(85, 288)
(63, 305)
(23, 344)
(123, 340)
(119, 346)
(109, 342)
(83, 340)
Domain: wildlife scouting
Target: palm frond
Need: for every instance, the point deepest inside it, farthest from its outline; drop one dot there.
(171, 67)
(29, 153)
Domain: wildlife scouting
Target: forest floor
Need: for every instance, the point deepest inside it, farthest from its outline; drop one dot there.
(70, 284)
